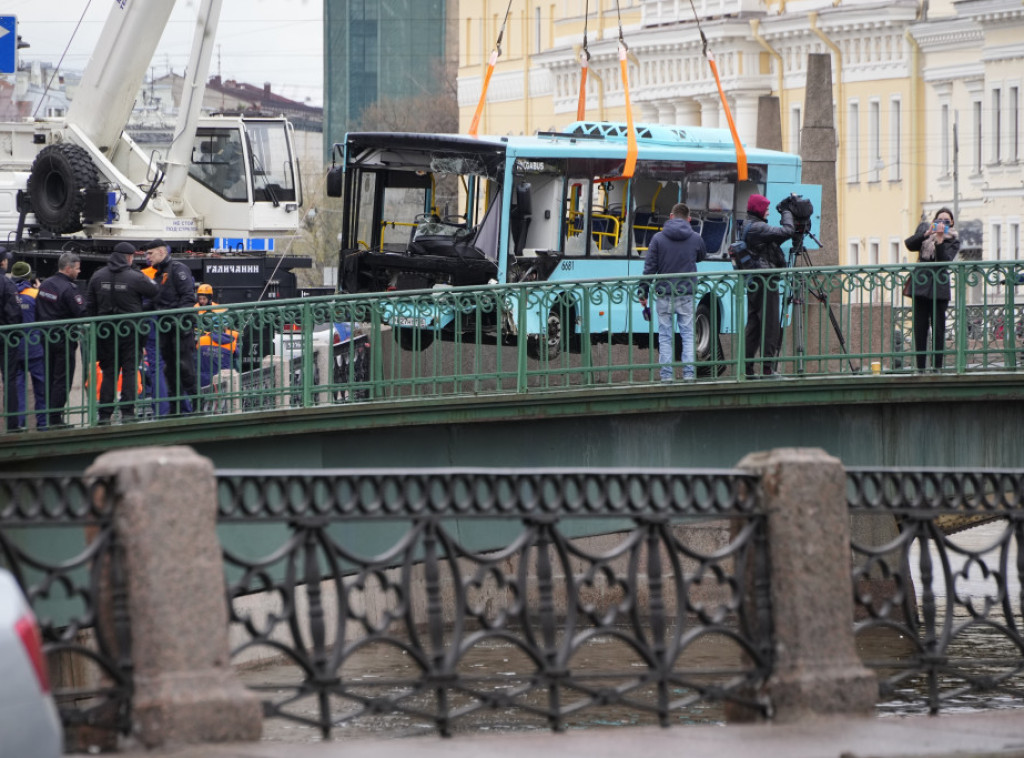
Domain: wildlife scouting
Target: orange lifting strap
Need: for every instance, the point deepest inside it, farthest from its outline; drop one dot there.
(631, 145)
(581, 105)
(741, 154)
(495, 54)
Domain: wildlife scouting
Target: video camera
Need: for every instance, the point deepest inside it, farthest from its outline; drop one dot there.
(802, 210)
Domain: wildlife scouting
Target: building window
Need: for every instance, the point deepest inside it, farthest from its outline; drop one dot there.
(874, 248)
(537, 29)
(795, 115)
(978, 125)
(854, 253)
(997, 242)
(853, 143)
(1013, 127)
(997, 121)
(944, 139)
(895, 140)
(874, 141)
(895, 249)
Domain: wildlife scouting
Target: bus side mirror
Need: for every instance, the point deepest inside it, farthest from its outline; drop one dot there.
(334, 177)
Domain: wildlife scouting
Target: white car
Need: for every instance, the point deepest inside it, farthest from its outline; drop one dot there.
(29, 722)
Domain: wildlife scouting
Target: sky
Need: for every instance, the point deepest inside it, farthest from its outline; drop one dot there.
(276, 41)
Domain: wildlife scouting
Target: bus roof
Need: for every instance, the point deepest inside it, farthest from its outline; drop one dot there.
(585, 138)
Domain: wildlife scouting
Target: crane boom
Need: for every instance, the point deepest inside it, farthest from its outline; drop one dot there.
(115, 72)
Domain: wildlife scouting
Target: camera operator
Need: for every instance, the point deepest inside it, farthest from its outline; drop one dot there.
(764, 328)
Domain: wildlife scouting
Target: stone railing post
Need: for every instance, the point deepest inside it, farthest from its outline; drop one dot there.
(165, 516)
(817, 670)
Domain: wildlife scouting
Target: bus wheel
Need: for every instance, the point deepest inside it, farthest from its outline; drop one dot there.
(413, 339)
(707, 344)
(541, 346)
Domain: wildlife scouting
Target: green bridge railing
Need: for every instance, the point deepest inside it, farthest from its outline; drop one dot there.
(500, 339)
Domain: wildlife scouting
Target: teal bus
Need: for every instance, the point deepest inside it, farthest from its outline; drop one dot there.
(426, 213)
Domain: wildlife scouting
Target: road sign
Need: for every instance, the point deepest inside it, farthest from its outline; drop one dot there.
(8, 44)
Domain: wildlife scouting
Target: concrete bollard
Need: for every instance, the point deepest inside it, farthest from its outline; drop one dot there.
(165, 519)
(817, 670)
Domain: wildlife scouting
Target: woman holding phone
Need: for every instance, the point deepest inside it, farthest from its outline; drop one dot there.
(934, 242)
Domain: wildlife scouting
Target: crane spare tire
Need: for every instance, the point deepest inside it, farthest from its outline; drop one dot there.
(61, 174)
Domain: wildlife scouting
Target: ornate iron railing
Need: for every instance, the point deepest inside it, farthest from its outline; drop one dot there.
(424, 569)
(938, 572)
(57, 538)
(534, 336)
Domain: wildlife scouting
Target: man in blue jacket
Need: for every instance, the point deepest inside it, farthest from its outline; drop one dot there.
(59, 299)
(31, 355)
(676, 249)
(10, 342)
(177, 340)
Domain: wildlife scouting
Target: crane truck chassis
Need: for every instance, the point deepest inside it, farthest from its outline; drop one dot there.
(224, 191)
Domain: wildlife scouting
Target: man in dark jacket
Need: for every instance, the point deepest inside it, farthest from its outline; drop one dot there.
(31, 363)
(59, 299)
(764, 329)
(115, 289)
(177, 340)
(10, 342)
(676, 249)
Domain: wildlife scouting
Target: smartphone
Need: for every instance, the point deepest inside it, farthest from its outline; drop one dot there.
(938, 226)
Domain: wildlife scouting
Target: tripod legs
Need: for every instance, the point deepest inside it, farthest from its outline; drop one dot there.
(799, 285)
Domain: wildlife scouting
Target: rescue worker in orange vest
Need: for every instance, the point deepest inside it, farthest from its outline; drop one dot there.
(204, 296)
(218, 346)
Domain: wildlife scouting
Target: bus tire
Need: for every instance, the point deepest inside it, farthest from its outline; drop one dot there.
(551, 345)
(706, 343)
(57, 184)
(413, 339)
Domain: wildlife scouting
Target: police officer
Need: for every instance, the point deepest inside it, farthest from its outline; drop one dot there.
(59, 299)
(114, 289)
(177, 343)
(10, 342)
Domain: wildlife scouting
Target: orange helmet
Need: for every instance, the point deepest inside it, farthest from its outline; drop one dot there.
(204, 289)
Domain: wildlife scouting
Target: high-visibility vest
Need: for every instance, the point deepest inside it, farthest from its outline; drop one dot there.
(120, 377)
(225, 338)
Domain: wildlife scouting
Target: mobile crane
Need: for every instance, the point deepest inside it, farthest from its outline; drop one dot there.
(226, 184)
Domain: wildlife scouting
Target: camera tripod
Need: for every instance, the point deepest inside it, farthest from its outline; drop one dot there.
(798, 286)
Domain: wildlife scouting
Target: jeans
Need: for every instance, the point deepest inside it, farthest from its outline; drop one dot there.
(679, 308)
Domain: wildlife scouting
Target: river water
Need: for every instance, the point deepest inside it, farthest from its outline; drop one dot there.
(498, 658)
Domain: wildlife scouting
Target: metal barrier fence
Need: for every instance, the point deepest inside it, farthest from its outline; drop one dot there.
(941, 604)
(420, 571)
(528, 337)
(57, 537)
(468, 559)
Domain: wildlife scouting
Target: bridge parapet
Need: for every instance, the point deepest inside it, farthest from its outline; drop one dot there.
(323, 567)
(509, 340)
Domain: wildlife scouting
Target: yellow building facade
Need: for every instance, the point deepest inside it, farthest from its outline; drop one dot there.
(900, 83)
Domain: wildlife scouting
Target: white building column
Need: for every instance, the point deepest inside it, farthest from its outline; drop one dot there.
(710, 108)
(666, 112)
(687, 112)
(745, 115)
(648, 112)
